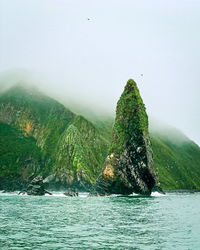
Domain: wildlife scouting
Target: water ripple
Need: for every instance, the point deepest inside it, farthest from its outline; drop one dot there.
(118, 222)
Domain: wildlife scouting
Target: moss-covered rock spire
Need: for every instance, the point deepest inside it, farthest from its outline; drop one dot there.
(129, 165)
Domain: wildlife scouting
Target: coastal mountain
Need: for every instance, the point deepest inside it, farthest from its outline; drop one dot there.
(70, 148)
(40, 136)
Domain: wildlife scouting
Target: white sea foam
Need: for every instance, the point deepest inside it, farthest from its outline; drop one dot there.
(56, 195)
(81, 195)
(157, 194)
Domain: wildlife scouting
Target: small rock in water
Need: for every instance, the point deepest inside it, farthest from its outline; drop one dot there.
(47, 192)
(22, 193)
(71, 193)
(36, 187)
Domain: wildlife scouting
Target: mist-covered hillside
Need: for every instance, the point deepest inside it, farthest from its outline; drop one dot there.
(176, 157)
(70, 147)
(39, 135)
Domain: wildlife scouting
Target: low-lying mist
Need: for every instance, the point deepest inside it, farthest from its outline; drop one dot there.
(91, 104)
(75, 97)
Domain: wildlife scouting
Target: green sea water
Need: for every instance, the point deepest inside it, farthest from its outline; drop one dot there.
(170, 221)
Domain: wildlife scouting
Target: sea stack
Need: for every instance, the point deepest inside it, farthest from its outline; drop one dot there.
(129, 166)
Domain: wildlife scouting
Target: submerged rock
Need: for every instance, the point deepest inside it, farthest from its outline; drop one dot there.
(129, 165)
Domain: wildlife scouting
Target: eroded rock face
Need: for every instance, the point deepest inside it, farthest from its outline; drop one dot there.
(129, 165)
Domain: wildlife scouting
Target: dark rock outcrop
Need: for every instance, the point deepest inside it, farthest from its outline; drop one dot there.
(36, 187)
(71, 193)
(129, 165)
(22, 193)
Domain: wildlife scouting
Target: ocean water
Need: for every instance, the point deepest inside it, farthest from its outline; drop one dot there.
(170, 221)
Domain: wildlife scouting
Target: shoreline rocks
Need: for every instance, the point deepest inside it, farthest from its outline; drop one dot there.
(36, 187)
(71, 193)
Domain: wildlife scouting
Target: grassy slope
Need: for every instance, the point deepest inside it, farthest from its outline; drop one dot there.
(81, 149)
(177, 163)
(29, 106)
(68, 143)
(15, 150)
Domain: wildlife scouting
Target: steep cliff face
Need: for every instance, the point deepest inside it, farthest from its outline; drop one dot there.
(129, 166)
(71, 148)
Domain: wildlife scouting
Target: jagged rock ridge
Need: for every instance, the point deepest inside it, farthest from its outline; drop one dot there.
(129, 165)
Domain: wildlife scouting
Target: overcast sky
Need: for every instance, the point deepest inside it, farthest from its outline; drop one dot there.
(88, 49)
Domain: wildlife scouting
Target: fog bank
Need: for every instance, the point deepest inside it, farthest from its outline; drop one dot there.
(83, 52)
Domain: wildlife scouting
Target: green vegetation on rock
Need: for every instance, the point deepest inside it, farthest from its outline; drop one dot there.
(40, 136)
(129, 165)
(131, 118)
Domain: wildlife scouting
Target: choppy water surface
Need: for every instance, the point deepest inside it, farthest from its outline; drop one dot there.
(57, 222)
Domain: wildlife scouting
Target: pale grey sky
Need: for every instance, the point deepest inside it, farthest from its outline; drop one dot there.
(91, 60)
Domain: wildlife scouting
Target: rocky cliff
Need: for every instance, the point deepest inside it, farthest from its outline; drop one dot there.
(129, 165)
